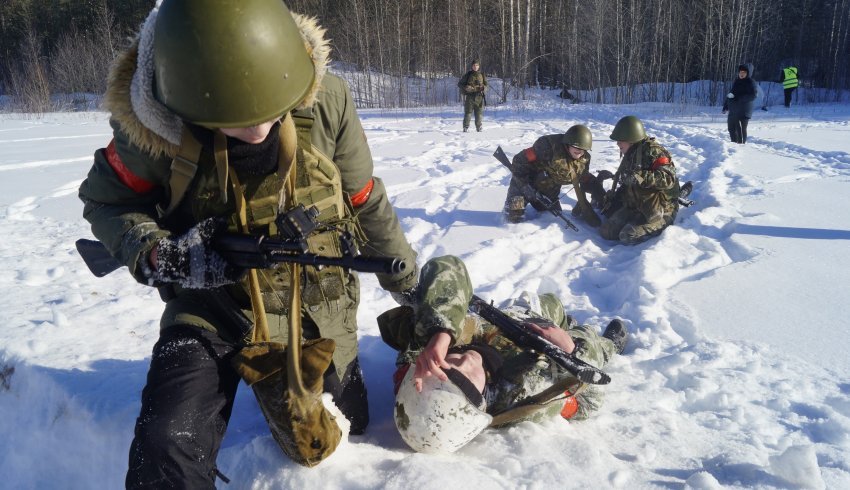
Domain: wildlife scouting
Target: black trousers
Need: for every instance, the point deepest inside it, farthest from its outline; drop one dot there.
(737, 128)
(788, 93)
(187, 402)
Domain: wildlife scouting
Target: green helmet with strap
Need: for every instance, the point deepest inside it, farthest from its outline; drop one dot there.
(628, 129)
(226, 64)
(579, 136)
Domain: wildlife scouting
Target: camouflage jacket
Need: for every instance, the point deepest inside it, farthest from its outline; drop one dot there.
(548, 165)
(473, 84)
(648, 179)
(445, 291)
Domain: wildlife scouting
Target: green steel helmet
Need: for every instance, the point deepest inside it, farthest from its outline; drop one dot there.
(229, 63)
(628, 129)
(579, 136)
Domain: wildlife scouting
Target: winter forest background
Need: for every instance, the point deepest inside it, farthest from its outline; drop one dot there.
(400, 53)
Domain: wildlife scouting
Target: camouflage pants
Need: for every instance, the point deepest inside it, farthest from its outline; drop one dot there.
(515, 202)
(629, 226)
(470, 105)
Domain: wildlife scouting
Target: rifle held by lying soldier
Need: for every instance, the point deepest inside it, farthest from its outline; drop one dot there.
(518, 333)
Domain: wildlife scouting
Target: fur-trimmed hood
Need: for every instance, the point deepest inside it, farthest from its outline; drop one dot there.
(148, 124)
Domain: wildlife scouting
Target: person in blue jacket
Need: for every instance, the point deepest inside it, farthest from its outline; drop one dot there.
(739, 104)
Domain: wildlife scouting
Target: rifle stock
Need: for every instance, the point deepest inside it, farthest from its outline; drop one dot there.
(530, 192)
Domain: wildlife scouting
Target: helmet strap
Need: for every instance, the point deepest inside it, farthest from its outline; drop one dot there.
(465, 385)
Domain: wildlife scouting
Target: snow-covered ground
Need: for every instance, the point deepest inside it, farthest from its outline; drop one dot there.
(737, 374)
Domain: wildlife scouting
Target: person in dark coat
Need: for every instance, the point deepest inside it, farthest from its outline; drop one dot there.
(739, 104)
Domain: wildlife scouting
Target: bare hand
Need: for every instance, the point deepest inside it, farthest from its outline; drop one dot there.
(432, 360)
(553, 334)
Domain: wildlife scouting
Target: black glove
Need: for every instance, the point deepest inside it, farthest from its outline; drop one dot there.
(608, 199)
(604, 175)
(190, 261)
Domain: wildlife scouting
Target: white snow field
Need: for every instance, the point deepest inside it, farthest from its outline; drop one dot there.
(737, 374)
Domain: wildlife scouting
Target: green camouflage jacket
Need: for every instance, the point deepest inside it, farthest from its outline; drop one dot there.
(648, 178)
(444, 294)
(548, 165)
(473, 84)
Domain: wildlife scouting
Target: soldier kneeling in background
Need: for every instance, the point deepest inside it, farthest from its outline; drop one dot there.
(553, 161)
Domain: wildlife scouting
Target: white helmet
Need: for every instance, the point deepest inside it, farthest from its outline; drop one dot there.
(440, 419)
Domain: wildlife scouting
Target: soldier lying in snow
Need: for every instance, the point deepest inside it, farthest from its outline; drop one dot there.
(467, 376)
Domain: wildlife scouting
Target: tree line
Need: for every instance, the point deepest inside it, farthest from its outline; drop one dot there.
(400, 52)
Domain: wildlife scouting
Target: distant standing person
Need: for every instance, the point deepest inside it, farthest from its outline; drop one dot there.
(739, 104)
(790, 82)
(472, 85)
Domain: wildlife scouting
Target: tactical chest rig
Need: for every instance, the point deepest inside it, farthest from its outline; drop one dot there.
(204, 190)
(287, 379)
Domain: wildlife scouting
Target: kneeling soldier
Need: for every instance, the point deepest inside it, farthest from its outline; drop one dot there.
(553, 161)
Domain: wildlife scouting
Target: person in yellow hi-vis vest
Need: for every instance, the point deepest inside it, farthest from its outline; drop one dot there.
(790, 82)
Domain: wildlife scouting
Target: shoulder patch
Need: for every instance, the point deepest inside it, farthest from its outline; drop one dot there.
(530, 155)
(128, 178)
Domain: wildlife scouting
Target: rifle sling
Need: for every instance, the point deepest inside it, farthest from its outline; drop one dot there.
(286, 170)
(183, 169)
(534, 403)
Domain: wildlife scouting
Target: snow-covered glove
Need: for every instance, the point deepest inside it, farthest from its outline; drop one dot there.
(408, 297)
(730, 95)
(189, 260)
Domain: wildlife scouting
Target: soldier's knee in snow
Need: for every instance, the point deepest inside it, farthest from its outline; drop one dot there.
(630, 234)
(607, 232)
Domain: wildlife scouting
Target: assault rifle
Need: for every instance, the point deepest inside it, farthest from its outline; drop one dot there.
(262, 252)
(614, 203)
(518, 333)
(532, 194)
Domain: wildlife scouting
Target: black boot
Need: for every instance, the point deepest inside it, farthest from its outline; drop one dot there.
(616, 332)
(686, 189)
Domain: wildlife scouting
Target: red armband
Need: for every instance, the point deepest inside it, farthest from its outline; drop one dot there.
(659, 162)
(398, 377)
(530, 155)
(128, 178)
(363, 194)
(570, 407)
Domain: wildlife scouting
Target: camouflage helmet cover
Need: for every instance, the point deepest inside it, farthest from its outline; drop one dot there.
(628, 129)
(226, 63)
(579, 136)
(440, 419)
